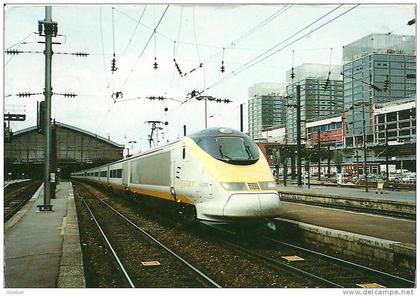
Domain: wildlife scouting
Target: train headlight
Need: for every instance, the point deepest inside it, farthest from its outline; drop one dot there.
(234, 185)
(267, 185)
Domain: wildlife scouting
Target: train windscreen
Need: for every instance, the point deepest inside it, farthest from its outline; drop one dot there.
(230, 149)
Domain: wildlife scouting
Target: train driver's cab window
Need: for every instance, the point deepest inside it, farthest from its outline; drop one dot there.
(230, 149)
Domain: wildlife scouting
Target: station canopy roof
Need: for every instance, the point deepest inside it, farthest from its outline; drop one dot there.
(59, 124)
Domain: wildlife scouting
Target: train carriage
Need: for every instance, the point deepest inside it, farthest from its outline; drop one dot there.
(219, 173)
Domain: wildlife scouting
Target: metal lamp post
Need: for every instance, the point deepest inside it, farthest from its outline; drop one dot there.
(363, 104)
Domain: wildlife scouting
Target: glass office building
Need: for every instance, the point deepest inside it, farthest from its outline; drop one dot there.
(265, 111)
(318, 100)
(378, 69)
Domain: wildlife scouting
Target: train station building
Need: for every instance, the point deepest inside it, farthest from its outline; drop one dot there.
(74, 149)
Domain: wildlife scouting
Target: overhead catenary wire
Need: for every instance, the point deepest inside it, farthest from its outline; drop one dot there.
(164, 35)
(220, 47)
(21, 41)
(144, 48)
(255, 61)
(175, 46)
(238, 70)
(103, 48)
(263, 23)
(327, 81)
(113, 31)
(135, 30)
(250, 31)
(246, 34)
(155, 64)
(18, 44)
(114, 68)
(132, 69)
(198, 50)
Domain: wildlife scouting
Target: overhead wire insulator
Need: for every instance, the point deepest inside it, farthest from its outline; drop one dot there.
(113, 64)
(81, 54)
(24, 94)
(155, 65)
(222, 68)
(177, 67)
(69, 95)
(327, 81)
(292, 75)
(13, 51)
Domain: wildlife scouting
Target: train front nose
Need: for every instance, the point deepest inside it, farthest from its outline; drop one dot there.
(252, 205)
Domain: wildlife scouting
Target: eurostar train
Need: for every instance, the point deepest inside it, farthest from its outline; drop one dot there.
(218, 173)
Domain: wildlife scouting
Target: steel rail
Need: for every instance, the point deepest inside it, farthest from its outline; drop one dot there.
(344, 262)
(276, 262)
(15, 209)
(109, 245)
(18, 206)
(197, 271)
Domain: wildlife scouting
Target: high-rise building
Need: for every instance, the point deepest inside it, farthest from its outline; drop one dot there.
(267, 88)
(265, 111)
(319, 99)
(378, 69)
(266, 107)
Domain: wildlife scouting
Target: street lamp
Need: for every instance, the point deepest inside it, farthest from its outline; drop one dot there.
(298, 134)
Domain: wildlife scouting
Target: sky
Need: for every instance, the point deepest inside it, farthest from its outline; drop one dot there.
(191, 34)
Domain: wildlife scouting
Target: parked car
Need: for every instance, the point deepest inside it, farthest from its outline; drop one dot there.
(409, 178)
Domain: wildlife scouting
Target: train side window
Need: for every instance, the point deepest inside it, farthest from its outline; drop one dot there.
(183, 153)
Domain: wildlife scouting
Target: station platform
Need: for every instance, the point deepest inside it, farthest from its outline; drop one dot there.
(42, 249)
(386, 228)
(405, 196)
(378, 226)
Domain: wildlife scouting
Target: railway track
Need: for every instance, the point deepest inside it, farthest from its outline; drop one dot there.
(15, 197)
(142, 259)
(320, 268)
(387, 278)
(201, 248)
(220, 253)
